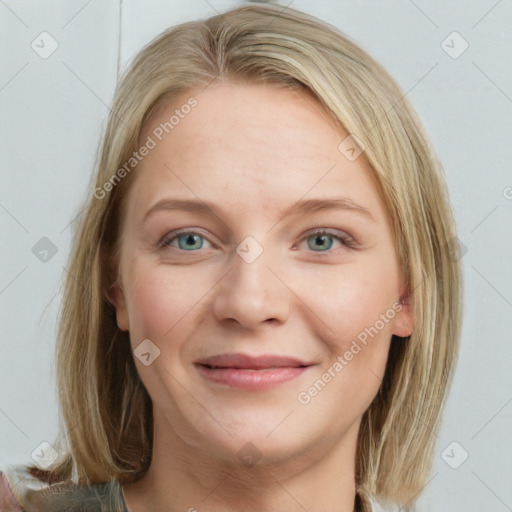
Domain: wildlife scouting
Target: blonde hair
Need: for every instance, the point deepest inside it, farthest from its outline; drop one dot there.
(106, 411)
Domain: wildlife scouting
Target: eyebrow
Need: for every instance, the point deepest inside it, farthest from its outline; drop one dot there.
(300, 207)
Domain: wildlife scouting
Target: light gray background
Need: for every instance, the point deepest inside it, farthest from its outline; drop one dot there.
(53, 109)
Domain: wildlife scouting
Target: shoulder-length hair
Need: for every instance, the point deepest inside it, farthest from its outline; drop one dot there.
(106, 424)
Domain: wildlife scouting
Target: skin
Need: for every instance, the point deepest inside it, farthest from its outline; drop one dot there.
(253, 151)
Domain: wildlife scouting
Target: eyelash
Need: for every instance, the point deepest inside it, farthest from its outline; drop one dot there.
(346, 240)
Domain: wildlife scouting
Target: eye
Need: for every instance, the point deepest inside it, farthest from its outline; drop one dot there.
(185, 240)
(320, 240)
(323, 240)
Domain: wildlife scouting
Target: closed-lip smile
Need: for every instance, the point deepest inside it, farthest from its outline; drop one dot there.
(251, 372)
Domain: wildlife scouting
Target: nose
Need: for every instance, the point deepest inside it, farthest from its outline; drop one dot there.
(252, 294)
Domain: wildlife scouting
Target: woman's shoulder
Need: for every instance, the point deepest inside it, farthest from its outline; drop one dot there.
(9, 499)
(22, 492)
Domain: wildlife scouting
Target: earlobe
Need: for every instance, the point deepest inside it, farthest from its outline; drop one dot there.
(404, 321)
(115, 296)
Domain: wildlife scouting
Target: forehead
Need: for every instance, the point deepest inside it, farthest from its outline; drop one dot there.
(257, 145)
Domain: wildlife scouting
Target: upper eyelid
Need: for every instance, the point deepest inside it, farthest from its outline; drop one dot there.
(186, 231)
(328, 231)
(345, 238)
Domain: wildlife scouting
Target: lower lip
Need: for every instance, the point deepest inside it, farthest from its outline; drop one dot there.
(251, 379)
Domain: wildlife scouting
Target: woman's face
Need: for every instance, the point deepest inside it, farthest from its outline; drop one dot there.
(271, 322)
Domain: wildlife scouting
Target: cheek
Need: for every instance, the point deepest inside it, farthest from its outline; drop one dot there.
(347, 311)
(159, 300)
(349, 300)
(161, 303)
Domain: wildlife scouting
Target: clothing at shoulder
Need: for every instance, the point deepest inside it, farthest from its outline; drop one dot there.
(21, 492)
(378, 506)
(8, 500)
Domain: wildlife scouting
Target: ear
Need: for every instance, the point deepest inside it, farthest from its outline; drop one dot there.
(404, 321)
(115, 296)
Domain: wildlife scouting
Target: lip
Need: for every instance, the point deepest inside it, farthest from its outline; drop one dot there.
(251, 372)
(247, 362)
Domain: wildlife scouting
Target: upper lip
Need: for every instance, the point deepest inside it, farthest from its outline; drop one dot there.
(247, 362)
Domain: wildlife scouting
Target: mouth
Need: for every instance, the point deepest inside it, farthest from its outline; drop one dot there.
(251, 372)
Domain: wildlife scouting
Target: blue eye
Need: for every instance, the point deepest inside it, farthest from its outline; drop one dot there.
(323, 240)
(319, 241)
(187, 241)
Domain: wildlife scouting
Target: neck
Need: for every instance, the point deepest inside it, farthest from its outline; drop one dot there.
(184, 478)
